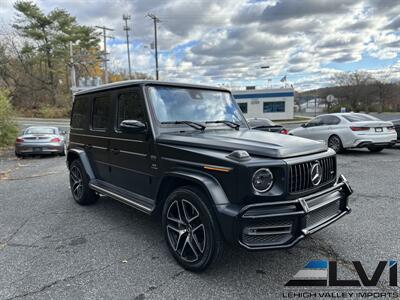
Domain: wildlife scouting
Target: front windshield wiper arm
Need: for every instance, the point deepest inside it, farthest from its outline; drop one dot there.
(226, 122)
(195, 125)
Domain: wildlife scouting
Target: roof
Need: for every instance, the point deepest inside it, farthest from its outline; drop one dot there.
(263, 93)
(126, 83)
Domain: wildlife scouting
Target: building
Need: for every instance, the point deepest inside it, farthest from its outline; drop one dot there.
(274, 104)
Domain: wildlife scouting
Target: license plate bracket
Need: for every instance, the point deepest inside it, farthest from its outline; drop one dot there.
(37, 149)
(378, 129)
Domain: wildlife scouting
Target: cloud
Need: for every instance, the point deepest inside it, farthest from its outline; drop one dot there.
(228, 40)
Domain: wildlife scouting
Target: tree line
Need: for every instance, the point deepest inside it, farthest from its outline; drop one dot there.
(35, 57)
(361, 91)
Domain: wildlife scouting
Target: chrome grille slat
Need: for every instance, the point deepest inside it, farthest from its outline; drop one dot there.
(299, 174)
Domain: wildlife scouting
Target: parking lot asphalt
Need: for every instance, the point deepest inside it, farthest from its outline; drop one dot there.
(50, 247)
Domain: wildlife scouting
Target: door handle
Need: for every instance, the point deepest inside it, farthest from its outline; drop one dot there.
(115, 150)
(88, 146)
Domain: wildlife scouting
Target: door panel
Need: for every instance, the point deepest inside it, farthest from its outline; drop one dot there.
(97, 143)
(129, 152)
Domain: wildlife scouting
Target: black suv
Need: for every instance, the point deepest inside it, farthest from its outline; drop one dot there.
(186, 152)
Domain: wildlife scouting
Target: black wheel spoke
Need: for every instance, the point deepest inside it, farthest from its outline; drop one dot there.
(76, 182)
(199, 237)
(189, 211)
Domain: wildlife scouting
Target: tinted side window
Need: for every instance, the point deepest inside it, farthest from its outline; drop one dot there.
(101, 113)
(315, 122)
(331, 120)
(80, 113)
(130, 108)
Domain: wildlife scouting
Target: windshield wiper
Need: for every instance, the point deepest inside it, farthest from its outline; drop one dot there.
(195, 125)
(228, 123)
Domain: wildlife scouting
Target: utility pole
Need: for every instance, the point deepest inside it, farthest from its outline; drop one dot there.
(155, 20)
(127, 17)
(72, 66)
(105, 59)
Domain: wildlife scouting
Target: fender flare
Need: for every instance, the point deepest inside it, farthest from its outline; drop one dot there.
(210, 185)
(84, 160)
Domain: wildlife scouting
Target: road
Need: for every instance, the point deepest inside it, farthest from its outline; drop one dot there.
(50, 247)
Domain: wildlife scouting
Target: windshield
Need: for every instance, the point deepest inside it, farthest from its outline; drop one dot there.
(196, 105)
(359, 117)
(40, 130)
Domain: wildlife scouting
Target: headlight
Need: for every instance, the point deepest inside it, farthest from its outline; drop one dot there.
(262, 180)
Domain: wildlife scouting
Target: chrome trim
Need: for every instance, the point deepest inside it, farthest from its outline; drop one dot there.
(133, 153)
(105, 137)
(99, 147)
(269, 186)
(280, 229)
(120, 198)
(76, 143)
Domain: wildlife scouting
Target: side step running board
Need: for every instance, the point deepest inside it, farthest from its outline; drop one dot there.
(121, 198)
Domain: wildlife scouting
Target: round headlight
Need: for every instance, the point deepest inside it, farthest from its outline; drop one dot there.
(262, 180)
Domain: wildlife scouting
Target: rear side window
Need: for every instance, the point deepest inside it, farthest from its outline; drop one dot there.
(130, 108)
(330, 120)
(101, 113)
(80, 113)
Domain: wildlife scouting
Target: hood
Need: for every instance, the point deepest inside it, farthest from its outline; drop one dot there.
(256, 142)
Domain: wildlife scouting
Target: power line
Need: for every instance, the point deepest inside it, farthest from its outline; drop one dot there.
(155, 21)
(126, 17)
(105, 59)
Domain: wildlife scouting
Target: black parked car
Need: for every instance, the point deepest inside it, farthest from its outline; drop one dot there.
(187, 152)
(396, 124)
(265, 124)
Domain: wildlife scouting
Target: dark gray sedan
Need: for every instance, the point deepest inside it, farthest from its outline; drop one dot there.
(396, 124)
(40, 140)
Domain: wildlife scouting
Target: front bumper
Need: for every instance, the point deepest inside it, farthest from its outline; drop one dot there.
(278, 225)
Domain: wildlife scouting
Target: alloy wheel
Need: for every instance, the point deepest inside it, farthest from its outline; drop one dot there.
(334, 143)
(185, 230)
(75, 176)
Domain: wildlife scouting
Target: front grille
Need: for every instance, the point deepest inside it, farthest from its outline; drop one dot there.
(323, 214)
(300, 174)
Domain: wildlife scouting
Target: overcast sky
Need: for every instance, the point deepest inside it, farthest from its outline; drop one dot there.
(226, 42)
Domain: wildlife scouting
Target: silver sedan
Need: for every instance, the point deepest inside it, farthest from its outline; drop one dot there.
(349, 130)
(40, 140)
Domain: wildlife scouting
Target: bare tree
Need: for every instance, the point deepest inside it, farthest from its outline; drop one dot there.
(354, 88)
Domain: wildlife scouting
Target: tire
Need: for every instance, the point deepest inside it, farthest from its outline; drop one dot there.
(335, 143)
(62, 153)
(19, 155)
(190, 229)
(375, 149)
(79, 183)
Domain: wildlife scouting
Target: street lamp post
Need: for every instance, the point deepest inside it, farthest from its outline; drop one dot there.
(265, 67)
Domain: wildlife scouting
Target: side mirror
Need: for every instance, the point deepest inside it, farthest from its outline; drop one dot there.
(132, 126)
(304, 125)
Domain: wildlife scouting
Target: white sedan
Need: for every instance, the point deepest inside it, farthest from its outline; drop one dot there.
(349, 130)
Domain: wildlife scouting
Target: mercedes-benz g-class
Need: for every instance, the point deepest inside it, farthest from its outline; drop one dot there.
(186, 153)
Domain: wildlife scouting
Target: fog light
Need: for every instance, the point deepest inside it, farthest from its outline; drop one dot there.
(262, 180)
